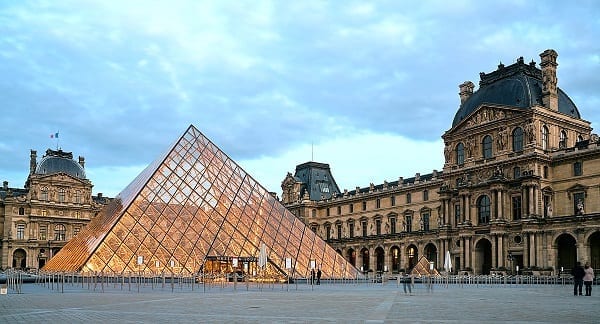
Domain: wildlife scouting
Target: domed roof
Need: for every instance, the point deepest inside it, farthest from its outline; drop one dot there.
(59, 161)
(518, 85)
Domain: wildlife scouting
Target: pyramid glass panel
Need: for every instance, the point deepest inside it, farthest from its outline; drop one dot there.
(194, 209)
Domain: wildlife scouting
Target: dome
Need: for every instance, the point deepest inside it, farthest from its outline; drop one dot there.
(59, 161)
(518, 86)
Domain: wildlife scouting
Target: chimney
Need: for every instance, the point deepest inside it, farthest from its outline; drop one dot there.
(32, 161)
(5, 185)
(466, 90)
(82, 161)
(549, 80)
(99, 195)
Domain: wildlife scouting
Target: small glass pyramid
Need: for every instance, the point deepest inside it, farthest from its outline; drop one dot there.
(194, 209)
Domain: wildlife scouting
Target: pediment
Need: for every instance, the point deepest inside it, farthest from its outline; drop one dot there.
(485, 114)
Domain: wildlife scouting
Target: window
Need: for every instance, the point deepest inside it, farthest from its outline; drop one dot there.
(351, 208)
(460, 154)
(363, 224)
(378, 203)
(44, 196)
(425, 195)
(77, 197)
(545, 172)
(487, 147)
(314, 213)
(44, 212)
(517, 139)
(61, 195)
(76, 231)
(392, 225)
(425, 219)
(314, 228)
(457, 214)
(378, 226)
(351, 230)
(579, 138)
(408, 199)
(59, 232)
(408, 223)
(578, 203)
(327, 211)
(545, 143)
(393, 200)
(21, 211)
(483, 209)
(43, 232)
(77, 214)
(577, 168)
(562, 141)
(339, 210)
(516, 207)
(516, 173)
(328, 231)
(364, 205)
(20, 231)
(339, 231)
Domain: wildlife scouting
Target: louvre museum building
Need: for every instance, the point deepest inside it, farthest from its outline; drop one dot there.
(519, 189)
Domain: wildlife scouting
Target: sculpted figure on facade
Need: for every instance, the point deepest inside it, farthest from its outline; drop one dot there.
(447, 152)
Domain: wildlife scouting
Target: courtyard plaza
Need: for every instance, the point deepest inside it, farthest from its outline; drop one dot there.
(330, 302)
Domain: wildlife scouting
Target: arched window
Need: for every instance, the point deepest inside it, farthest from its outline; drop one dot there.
(545, 144)
(483, 209)
(59, 232)
(460, 154)
(487, 147)
(517, 139)
(579, 138)
(562, 142)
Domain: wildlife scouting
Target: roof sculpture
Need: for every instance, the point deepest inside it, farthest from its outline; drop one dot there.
(191, 205)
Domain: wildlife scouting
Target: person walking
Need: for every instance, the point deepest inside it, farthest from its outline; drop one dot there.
(318, 276)
(588, 278)
(577, 272)
(312, 276)
(407, 283)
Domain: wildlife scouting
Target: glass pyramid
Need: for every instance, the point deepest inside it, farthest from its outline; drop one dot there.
(194, 209)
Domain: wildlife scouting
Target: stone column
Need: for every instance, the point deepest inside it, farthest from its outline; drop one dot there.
(468, 209)
(531, 201)
(463, 256)
(532, 249)
(372, 259)
(500, 251)
(494, 251)
(468, 252)
(500, 205)
(526, 250)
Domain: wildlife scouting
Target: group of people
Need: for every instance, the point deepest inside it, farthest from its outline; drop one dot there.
(582, 276)
(312, 277)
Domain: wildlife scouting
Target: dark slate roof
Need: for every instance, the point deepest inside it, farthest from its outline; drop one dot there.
(12, 192)
(407, 181)
(317, 179)
(59, 161)
(518, 85)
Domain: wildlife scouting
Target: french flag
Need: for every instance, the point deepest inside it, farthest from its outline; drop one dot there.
(55, 135)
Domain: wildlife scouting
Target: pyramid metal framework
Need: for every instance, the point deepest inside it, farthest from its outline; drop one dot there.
(192, 206)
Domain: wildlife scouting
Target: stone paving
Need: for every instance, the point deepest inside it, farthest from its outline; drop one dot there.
(327, 303)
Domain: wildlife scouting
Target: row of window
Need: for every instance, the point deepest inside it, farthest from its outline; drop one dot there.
(517, 144)
(77, 196)
(377, 204)
(59, 232)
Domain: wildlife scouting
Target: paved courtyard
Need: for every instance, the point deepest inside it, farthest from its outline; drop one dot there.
(328, 303)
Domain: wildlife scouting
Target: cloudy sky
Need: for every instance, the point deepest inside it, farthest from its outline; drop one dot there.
(368, 87)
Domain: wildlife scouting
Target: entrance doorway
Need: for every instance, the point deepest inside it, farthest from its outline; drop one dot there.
(412, 255)
(566, 252)
(380, 257)
(483, 257)
(594, 243)
(19, 259)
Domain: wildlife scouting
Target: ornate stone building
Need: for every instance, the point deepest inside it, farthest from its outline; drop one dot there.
(520, 187)
(56, 203)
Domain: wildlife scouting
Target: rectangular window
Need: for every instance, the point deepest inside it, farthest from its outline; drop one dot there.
(392, 225)
(378, 226)
(339, 210)
(408, 198)
(20, 231)
(327, 211)
(408, 221)
(328, 232)
(425, 218)
(351, 207)
(457, 214)
(313, 228)
(425, 195)
(577, 168)
(516, 207)
(76, 231)
(314, 213)
(364, 205)
(339, 231)
(378, 203)
(364, 228)
(43, 232)
(351, 230)
(44, 213)
(393, 200)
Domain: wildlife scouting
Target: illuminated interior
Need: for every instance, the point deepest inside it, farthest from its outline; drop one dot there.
(195, 210)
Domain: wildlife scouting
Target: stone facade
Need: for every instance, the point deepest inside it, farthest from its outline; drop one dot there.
(38, 220)
(519, 190)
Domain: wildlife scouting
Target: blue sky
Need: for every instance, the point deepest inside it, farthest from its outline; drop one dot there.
(368, 87)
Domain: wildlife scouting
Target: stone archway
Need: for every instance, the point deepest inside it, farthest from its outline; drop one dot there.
(395, 258)
(364, 253)
(412, 257)
(379, 259)
(430, 252)
(351, 256)
(19, 259)
(483, 257)
(594, 244)
(566, 252)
